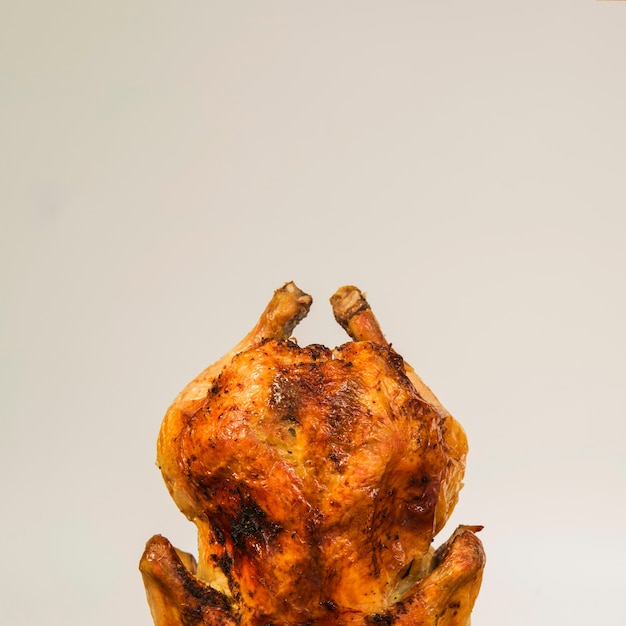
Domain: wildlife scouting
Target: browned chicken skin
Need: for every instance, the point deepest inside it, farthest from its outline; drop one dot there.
(317, 480)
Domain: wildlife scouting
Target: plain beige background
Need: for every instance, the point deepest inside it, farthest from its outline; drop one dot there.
(166, 165)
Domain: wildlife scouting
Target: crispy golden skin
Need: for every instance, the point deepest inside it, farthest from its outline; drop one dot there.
(317, 480)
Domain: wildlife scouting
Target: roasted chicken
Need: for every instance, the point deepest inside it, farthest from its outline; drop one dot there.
(317, 480)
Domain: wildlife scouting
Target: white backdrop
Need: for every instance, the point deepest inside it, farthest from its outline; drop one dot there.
(165, 166)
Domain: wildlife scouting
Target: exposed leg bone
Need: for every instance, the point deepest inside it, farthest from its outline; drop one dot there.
(285, 310)
(354, 315)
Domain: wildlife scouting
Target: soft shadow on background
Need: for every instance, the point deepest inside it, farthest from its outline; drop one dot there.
(166, 166)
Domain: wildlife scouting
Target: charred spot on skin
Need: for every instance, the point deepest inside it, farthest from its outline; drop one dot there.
(251, 523)
(380, 619)
(317, 351)
(225, 563)
(376, 570)
(396, 360)
(203, 595)
(328, 604)
(219, 536)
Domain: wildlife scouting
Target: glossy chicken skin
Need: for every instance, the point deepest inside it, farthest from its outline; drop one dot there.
(317, 480)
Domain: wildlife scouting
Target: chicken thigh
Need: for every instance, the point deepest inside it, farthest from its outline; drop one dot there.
(317, 480)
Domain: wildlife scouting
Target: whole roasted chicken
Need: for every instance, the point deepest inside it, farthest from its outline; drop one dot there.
(317, 480)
